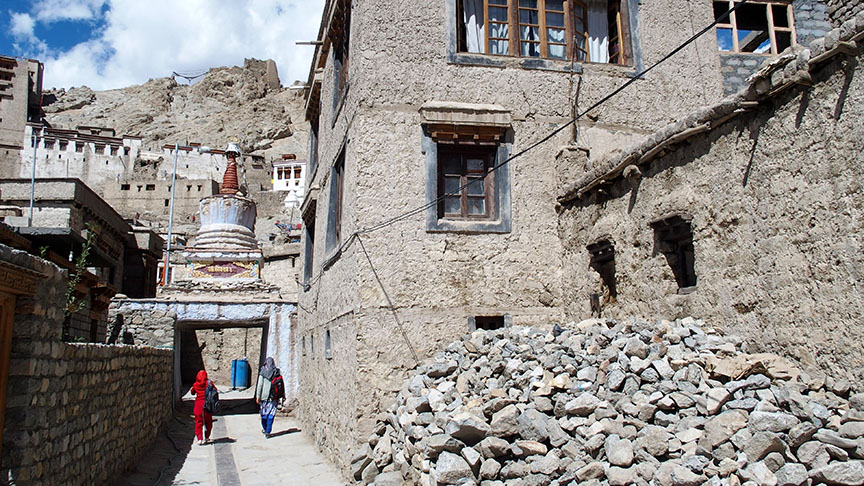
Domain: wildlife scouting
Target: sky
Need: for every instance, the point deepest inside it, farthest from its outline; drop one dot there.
(106, 44)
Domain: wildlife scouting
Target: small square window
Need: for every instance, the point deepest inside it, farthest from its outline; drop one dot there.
(79, 147)
(466, 182)
(64, 144)
(754, 28)
(466, 190)
(150, 187)
(124, 187)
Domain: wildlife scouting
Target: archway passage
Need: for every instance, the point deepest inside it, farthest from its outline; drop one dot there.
(213, 346)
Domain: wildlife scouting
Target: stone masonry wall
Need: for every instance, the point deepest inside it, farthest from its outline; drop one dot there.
(76, 413)
(776, 203)
(843, 10)
(811, 22)
(143, 327)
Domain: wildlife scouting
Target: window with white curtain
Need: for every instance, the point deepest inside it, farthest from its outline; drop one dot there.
(581, 30)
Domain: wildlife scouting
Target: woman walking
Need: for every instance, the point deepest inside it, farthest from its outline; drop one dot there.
(202, 417)
(263, 396)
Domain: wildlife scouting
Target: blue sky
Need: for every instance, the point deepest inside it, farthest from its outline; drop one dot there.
(108, 44)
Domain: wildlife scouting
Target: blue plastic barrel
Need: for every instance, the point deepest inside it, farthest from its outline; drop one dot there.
(240, 373)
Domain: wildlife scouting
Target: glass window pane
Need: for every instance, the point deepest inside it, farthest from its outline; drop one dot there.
(452, 164)
(578, 25)
(724, 39)
(452, 205)
(477, 206)
(451, 184)
(557, 51)
(499, 47)
(555, 20)
(529, 17)
(476, 165)
(498, 14)
(556, 35)
(530, 49)
(476, 186)
(499, 31)
(529, 33)
(781, 15)
(497, 2)
(555, 5)
(528, 3)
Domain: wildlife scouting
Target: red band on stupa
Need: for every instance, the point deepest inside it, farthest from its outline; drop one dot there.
(230, 185)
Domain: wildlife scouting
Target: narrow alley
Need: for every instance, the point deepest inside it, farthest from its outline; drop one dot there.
(238, 454)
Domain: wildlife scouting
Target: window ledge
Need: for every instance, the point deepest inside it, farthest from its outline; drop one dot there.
(469, 227)
(487, 60)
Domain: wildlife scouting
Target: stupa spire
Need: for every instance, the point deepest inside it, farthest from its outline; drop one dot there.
(230, 183)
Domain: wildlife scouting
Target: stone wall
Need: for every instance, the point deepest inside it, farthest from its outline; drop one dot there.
(843, 10)
(775, 200)
(148, 327)
(79, 413)
(437, 281)
(76, 413)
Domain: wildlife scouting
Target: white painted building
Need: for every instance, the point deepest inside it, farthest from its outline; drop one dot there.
(289, 174)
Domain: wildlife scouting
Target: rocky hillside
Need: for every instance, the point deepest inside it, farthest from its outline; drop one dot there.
(246, 104)
(615, 404)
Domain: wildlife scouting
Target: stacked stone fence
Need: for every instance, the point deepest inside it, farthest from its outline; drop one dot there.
(79, 413)
(76, 414)
(843, 10)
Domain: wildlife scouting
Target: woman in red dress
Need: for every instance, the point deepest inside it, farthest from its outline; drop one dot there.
(202, 417)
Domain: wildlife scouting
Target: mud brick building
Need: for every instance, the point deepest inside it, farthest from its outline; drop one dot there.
(417, 106)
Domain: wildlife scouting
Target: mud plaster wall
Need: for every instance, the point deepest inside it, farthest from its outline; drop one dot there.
(776, 201)
(437, 280)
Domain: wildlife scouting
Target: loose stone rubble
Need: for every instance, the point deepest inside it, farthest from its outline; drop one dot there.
(606, 403)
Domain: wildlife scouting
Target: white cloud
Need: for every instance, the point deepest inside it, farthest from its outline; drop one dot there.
(21, 27)
(54, 10)
(149, 39)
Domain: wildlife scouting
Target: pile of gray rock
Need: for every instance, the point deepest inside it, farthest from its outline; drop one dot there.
(606, 403)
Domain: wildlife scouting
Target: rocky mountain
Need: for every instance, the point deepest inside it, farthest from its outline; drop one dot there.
(244, 104)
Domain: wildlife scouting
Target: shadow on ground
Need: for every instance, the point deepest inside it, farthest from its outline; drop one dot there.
(160, 461)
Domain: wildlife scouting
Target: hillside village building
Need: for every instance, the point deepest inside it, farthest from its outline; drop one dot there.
(417, 229)
(20, 103)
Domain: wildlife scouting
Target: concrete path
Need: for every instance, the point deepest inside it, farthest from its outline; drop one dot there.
(238, 455)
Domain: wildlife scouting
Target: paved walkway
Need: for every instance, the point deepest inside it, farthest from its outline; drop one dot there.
(239, 454)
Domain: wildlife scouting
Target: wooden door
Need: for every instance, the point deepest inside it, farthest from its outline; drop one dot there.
(7, 313)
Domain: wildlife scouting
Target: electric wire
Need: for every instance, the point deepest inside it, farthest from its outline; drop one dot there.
(355, 236)
(635, 77)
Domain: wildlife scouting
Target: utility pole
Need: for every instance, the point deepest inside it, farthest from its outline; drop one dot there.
(33, 174)
(167, 265)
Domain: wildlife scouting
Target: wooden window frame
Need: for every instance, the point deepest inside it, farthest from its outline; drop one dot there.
(575, 13)
(732, 24)
(339, 173)
(487, 154)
